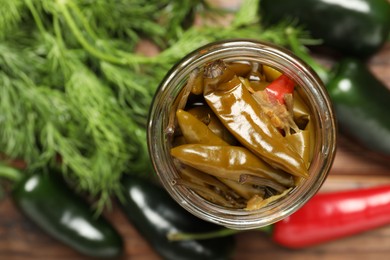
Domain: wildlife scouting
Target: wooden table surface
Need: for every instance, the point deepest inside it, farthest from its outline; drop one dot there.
(353, 168)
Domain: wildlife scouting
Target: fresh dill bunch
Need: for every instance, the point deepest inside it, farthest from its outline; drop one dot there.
(160, 20)
(72, 87)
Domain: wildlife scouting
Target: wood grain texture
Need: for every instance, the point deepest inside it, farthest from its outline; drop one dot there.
(353, 168)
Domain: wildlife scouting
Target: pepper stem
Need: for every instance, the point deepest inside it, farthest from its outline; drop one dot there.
(302, 52)
(177, 236)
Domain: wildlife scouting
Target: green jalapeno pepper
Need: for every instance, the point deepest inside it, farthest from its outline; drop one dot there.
(239, 68)
(362, 105)
(205, 114)
(215, 190)
(194, 131)
(246, 191)
(243, 116)
(155, 215)
(228, 162)
(300, 111)
(197, 86)
(219, 193)
(358, 28)
(219, 190)
(270, 73)
(47, 201)
(301, 142)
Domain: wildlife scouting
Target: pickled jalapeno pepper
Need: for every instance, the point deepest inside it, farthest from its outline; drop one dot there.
(242, 115)
(247, 129)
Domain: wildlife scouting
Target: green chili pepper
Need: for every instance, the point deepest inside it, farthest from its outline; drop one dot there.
(246, 191)
(301, 142)
(46, 200)
(239, 68)
(224, 191)
(228, 162)
(155, 214)
(205, 114)
(358, 27)
(209, 187)
(362, 104)
(242, 115)
(301, 111)
(194, 131)
(197, 86)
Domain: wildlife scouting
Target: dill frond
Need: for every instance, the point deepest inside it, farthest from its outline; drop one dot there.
(11, 13)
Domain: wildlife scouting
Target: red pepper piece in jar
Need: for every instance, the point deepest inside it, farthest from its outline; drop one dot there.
(279, 87)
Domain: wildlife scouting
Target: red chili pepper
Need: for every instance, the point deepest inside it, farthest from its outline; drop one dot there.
(279, 87)
(329, 216)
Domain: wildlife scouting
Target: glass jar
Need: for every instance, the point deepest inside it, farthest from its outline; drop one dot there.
(263, 53)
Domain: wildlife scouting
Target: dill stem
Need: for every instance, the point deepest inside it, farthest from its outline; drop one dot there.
(36, 17)
(126, 59)
(81, 39)
(57, 31)
(84, 21)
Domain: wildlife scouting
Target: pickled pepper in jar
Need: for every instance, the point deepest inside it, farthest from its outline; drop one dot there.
(249, 129)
